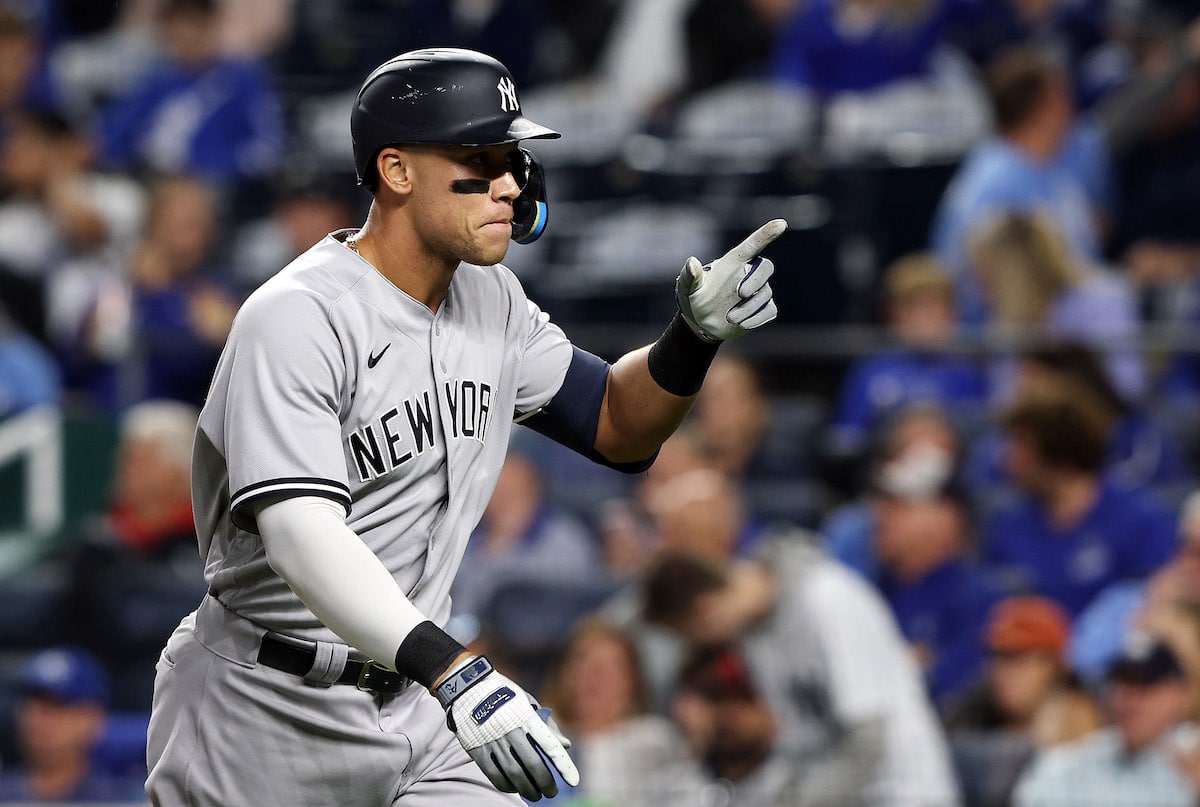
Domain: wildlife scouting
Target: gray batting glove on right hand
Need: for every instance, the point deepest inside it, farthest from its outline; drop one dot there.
(498, 725)
(726, 298)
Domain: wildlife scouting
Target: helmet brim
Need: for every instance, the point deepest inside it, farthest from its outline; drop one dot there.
(523, 128)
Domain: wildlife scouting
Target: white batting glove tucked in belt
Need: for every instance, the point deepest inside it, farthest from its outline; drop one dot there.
(726, 298)
(499, 726)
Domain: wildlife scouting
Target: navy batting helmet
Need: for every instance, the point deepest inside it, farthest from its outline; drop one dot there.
(437, 95)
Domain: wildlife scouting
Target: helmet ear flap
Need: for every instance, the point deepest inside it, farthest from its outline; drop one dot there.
(530, 213)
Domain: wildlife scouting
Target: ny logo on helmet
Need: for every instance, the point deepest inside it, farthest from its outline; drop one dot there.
(508, 95)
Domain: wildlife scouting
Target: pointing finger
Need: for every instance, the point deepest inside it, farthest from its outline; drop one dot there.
(758, 240)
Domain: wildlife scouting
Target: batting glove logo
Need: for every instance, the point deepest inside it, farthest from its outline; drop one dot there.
(491, 703)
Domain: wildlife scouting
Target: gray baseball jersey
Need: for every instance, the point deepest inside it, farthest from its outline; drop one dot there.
(830, 656)
(336, 383)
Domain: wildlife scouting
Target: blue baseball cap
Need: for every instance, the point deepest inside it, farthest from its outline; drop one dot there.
(65, 675)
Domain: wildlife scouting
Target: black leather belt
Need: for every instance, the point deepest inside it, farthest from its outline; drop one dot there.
(298, 660)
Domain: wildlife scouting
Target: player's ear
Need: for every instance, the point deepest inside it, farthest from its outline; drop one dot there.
(393, 167)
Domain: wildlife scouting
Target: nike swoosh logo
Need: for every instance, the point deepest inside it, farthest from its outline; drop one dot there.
(374, 358)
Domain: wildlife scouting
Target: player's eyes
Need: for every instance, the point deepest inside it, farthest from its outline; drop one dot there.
(493, 166)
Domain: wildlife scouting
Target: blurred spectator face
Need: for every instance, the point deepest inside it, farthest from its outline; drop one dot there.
(1035, 10)
(36, 151)
(921, 428)
(925, 319)
(1142, 712)
(1187, 563)
(699, 512)
(724, 719)
(309, 218)
(1026, 636)
(18, 57)
(190, 36)
(146, 477)
(731, 413)
(1020, 682)
(921, 450)
(1057, 112)
(774, 12)
(516, 499)
(182, 224)
(154, 458)
(53, 733)
(920, 300)
(1022, 461)
(679, 454)
(600, 681)
(910, 530)
(1032, 375)
(742, 735)
(27, 158)
(62, 709)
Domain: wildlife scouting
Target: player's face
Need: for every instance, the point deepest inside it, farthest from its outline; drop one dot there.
(464, 200)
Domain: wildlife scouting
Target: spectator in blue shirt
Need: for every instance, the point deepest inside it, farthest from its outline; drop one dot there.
(1045, 159)
(157, 331)
(920, 314)
(834, 46)
(1164, 605)
(25, 82)
(199, 112)
(939, 596)
(1141, 454)
(1074, 533)
(1040, 160)
(60, 721)
(918, 456)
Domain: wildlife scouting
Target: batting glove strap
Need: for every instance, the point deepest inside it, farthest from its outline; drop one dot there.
(465, 676)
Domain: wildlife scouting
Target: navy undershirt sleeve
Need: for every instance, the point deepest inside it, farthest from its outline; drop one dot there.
(573, 415)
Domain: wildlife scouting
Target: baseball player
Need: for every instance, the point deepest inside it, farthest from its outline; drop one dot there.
(355, 427)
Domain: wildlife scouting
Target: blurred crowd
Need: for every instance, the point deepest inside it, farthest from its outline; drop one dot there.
(960, 569)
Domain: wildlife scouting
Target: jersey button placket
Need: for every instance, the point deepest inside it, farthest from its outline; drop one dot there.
(436, 347)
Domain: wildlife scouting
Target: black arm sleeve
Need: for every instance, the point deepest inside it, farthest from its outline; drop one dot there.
(573, 415)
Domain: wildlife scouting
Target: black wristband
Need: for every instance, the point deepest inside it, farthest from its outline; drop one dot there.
(426, 653)
(679, 359)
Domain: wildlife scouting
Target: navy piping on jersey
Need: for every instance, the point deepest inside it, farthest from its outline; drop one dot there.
(284, 487)
(573, 414)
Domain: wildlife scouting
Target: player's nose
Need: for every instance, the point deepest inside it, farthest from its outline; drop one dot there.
(505, 187)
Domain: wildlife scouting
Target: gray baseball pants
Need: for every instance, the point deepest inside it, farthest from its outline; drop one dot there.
(225, 731)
